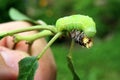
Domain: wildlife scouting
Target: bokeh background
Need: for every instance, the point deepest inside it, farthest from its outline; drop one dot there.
(102, 61)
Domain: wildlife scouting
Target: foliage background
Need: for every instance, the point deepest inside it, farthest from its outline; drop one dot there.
(101, 62)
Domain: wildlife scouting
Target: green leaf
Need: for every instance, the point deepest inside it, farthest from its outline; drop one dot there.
(16, 15)
(27, 68)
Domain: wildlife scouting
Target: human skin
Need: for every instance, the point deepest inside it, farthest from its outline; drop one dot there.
(11, 54)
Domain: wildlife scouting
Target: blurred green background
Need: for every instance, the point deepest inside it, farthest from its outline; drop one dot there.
(102, 61)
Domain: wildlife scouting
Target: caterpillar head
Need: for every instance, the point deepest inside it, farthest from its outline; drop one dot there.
(81, 38)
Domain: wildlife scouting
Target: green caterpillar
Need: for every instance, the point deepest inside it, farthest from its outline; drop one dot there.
(80, 27)
(77, 22)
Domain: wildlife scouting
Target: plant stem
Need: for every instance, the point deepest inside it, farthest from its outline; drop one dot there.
(38, 27)
(33, 37)
(70, 62)
(71, 48)
(49, 44)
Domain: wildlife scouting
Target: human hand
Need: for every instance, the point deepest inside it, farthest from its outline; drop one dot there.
(11, 54)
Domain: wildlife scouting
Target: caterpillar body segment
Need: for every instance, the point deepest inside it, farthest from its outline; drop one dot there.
(77, 22)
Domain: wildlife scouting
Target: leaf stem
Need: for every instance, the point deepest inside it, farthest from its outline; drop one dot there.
(33, 37)
(71, 48)
(70, 63)
(49, 44)
(38, 27)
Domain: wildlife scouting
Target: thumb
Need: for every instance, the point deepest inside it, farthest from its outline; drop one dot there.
(9, 61)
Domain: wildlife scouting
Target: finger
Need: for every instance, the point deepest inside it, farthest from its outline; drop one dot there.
(13, 25)
(22, 46)
(9, 63)
(7, 42)
(5, 72)
(11, 58)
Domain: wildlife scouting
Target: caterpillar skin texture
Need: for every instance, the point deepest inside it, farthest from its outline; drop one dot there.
(77, 22)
